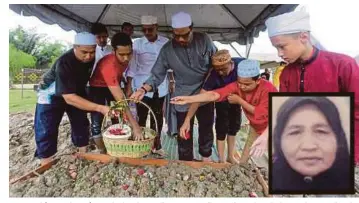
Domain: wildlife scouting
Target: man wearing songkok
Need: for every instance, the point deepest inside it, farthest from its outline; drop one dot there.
(310, 69)
(105, 85)
(228, 116)
(188, 54)
(145, 53)
(249, 91)
(62, 89)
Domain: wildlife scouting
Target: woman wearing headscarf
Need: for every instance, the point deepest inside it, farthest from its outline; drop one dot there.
(311, 152)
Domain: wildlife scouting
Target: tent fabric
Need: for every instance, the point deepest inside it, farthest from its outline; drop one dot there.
(225, 23)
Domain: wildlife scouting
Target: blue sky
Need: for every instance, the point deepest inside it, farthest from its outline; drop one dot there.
(332, 24)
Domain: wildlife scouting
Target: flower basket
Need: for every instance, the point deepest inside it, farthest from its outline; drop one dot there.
(124, 145)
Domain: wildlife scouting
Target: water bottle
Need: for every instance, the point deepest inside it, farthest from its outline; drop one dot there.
(133, 109)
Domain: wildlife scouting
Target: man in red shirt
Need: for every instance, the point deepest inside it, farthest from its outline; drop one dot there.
(249, 91)
(105, 85)
(290, 34)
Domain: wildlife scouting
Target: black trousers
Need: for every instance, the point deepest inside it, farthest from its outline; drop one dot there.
(228, 119)
(156, 104)
(103, 96)
(205, 119)
(46, 125)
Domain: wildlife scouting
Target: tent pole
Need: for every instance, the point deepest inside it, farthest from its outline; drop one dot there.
(236, 50)
(248, 47)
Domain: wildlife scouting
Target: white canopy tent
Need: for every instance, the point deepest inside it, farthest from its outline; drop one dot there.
(225, 23)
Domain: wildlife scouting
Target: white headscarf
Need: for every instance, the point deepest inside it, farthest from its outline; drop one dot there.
(293, 22)
(288, 23)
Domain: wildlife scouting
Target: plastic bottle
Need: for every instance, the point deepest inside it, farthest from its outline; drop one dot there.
(133, 110)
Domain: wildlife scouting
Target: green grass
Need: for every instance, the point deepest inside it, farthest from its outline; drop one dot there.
(25, 104)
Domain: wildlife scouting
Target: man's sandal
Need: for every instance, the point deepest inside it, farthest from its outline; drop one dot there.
(160, 152)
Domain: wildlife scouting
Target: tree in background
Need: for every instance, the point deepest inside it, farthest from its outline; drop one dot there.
(49, 52)
(18, 60)
(37, 45)
(27, 41)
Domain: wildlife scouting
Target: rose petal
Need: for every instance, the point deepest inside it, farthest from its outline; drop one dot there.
(140, 171)
(125, 187)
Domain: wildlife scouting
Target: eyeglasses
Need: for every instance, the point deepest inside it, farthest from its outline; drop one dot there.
(184, 36)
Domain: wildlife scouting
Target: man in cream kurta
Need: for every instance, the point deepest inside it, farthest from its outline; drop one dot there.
(146, 51)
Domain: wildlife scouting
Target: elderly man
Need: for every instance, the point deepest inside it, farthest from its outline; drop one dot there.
(228, 116)
(146, 51)
(63, 90)
(188, 55)
(307, 64)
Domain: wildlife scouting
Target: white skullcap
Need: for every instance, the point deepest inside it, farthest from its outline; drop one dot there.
(288, 23)
(181, 20)
(248, 68)
(148, 20)
(85, 38)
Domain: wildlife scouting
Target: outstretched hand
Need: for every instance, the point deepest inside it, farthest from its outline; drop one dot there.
(138, 95)
(180, 100)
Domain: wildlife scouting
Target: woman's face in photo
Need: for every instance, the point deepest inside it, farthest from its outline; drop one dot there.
(308, 142)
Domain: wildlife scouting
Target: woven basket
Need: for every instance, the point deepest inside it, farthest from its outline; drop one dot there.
(130, 148)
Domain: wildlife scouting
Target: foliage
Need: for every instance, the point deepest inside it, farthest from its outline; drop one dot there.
(50, 52)
(18, 60)
(37, 45)
(27, 41)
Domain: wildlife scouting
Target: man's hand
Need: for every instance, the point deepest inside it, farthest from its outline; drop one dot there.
(103, 109)
(180, 100)
(184, 129)
(259, 146)
(137, 134)
(234, 99)
(138, 95)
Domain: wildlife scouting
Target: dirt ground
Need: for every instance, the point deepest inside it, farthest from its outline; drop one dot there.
(93, 179)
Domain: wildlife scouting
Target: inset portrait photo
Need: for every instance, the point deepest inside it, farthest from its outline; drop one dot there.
(311, 143)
